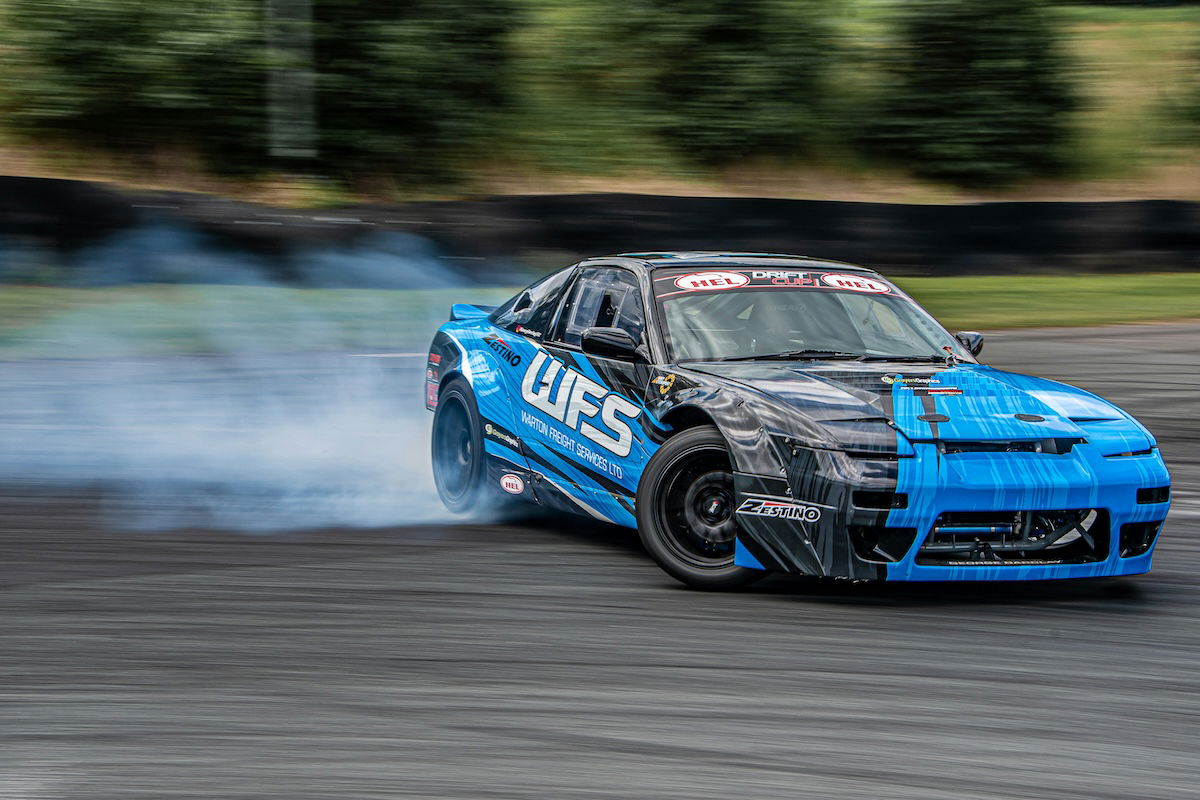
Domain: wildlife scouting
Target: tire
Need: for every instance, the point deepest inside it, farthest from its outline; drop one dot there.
(685, 511)
(457, 448)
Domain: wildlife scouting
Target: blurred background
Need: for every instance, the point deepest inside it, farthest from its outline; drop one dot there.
(318, 102)
(229, 228)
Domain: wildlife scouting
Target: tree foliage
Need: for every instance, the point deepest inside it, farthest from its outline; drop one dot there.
(716, 79)
(412, 86)
(399, 86)
(128, 74)
(979, 92)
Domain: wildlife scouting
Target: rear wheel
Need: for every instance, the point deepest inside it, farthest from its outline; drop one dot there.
(686, 511)
(457, 448)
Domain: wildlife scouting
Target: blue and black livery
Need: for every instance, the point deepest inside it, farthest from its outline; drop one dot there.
(843, 464)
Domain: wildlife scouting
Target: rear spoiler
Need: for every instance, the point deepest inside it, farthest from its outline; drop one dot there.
(461, 311)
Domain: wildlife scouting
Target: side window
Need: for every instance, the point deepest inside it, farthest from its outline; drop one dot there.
(529, 313)
(602, 298)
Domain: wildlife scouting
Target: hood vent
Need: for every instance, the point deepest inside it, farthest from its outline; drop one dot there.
(1056, 446)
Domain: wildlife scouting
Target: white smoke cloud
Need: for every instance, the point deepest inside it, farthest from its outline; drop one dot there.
(237, 438)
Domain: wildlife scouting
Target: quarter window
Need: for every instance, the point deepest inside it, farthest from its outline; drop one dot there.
(530, 311)
(602, 298)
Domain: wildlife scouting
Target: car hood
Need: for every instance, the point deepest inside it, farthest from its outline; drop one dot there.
(861, 405)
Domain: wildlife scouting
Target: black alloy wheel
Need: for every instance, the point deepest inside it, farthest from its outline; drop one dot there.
(457, 448)
(686, 511)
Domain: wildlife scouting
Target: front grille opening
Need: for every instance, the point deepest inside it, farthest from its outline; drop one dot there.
(1130, 453)
(993, 538)
(880, 544)
(1056, 446)
(1138, 537)
(1157, 494)
(867, 499)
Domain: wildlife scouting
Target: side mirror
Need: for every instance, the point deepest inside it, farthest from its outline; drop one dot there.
(972, 340)
(609, 343)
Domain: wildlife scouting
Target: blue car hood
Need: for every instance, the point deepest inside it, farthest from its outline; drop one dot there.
(966, 402)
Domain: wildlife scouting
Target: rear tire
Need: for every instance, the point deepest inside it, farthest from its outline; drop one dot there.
(457, 448)
(686, 511)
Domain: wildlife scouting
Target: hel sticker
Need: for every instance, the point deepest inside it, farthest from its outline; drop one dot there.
(704, 281)
(779, 509)
(856, 283)
(512, 483)
(664, 383)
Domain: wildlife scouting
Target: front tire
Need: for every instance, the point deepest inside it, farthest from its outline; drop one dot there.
(686, 511)
(457, 445)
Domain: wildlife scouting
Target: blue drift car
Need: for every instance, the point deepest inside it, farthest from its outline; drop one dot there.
(750, 413)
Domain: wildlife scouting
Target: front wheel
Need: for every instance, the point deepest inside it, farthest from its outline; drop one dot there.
(686, 511)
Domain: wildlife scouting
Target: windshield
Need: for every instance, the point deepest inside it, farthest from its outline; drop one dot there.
(743, 313)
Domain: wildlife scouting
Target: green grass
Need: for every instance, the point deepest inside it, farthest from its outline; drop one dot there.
(1029, 301)
(1135, 67)
(51, 322)
(58, 322)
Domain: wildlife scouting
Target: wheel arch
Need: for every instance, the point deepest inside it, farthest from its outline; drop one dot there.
(745, 437)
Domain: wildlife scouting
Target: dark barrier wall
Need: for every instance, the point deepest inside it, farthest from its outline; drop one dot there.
(490, 239)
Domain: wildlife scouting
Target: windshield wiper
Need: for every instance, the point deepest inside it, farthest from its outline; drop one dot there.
(930, 358)
(793, 355)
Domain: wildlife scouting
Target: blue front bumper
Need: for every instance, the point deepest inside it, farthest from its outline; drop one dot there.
(968, 482)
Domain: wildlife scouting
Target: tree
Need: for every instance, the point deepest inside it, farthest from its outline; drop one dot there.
(400, 87)
(130, 75)
(409, 87)
(979, 93)
(718, 80)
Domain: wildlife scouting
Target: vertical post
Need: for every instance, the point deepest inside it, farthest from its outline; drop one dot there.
(290, 80)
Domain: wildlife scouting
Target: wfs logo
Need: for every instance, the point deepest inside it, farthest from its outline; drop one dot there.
(502, 349)
(569, 398)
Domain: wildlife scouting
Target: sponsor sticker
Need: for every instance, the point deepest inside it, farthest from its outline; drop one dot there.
(576, 401)
(512, 483)
(779, 508)
(855, 283)
(946, 390)
(502, 349)
(431, 395)
(906, 381)
(708, 281)
(785, 278)
(434, 358)
(494, 432)
(664, 383)
(530, 332)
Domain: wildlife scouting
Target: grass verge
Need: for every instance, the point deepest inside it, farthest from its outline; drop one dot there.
(135, 321)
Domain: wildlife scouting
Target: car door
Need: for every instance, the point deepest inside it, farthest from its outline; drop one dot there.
(585, 412)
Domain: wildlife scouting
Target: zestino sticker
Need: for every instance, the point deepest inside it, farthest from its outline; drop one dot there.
(708, 281)
(502, 349)
(779, 509)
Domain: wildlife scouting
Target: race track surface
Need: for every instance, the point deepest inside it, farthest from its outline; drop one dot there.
(553, 659)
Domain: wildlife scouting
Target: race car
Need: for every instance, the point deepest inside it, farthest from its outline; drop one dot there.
(757, 413)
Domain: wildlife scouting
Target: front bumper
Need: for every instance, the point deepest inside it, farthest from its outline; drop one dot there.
(875, 516)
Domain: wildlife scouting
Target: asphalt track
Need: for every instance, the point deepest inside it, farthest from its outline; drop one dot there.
(553, 659)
